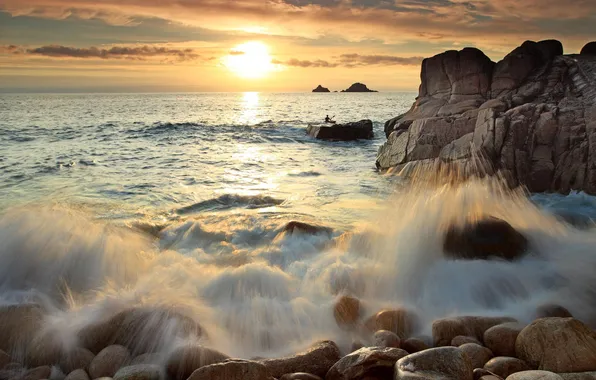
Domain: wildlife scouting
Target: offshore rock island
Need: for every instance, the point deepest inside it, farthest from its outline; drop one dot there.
(530, 116)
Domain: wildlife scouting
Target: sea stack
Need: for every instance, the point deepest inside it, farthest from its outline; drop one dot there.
(321, 89)
(530, 116)
(358, 87)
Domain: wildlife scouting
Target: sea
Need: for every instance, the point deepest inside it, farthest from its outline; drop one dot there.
(179, 202)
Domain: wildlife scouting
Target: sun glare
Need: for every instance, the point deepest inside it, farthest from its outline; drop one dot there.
(249, 60)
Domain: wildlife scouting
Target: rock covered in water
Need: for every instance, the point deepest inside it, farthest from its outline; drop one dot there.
(321, 89)
(233, 369)
(294, 227)
(108, 361)
(504, 366)
(589, 49)
(358, 87)
(368, 362)
(402, 322)
(346, 311)
(487, 238)
(552, 311)
(316, 360)
(530, 117)
(384, 338)
(18, 326)
(535, 375)
(478, 354)
(558, 344)
(500, 339)
(444, 330)
(362, 129)
(79, 358)
(445, 363)
(186, 359)
(140, 372)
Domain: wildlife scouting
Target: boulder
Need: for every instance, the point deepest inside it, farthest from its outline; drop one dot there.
(484, 239)
(38, 373)
(78, 374)
(402, 322)
(478, 354)
(552, 311)
(578, 376)
(369, 362)
(445, 363)
(184, 360)
(461, 340)
(300, 376)
(501, 339)
(589, 49)
(362, 129)
(109, 361)
(316, 360)
(558, 345)
(233, 369)
(321, 89)
(346, 311)
(534, 375)
(79, 358)
(384, 338)
(444, 330)
(140, 372)
(504, 366)
(480, 373)
(358, 87)
(18, 326)
(413, 345)
(154, 358)
(294, 227)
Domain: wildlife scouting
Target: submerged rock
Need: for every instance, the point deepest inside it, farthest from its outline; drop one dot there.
(362, 129)
(316, 360)
(369, 362)
(445, 363)
(488, 238)
(558, 345)
(321, 89)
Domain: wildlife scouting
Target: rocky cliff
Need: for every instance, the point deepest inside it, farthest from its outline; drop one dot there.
(531, 116)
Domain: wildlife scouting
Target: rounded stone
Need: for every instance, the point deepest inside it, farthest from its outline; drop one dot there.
(413, 345)
(384, 338)
(183, 361)
(504, 366)
(109, 361)
(346, 311)
(535, 375)
(478, 354)
(448, 363)
(461, 340)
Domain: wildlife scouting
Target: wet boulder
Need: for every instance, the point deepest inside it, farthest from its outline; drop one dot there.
(384, 338)
(140, 372)
(589, 49)
(552, 311)
(18, 325)
(504, 366)
(478, 354)
(413, 345)
(501, 339)
(362, 129)
(346, 311)
(78, 374)
(186, 359)
(300, 376)
(369, 362)
(316, 360)
(402, 322)
(109, 361)
(445, 363)
(294, 227)
(558, 344)
(444, 330)
(484, 239)
(79, 358)
(460, 340)
(233, 369)
(535, 375)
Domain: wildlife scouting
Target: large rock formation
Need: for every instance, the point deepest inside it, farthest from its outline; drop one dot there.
(531, 116)
(358, 87)
(321, 89)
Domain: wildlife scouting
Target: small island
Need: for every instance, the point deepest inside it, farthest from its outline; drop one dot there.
(358, 87)
(321, 89)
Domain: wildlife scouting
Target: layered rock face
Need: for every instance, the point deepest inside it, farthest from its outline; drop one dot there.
(531, 116)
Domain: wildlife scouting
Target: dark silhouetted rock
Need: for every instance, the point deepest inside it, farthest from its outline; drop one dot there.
(558, 344)
(484, 239)
(358, 87)
(316, 360)
(321, 89)
(362, 129)
(445, 363)
(294, 227)
(368, 362)
(589, 49)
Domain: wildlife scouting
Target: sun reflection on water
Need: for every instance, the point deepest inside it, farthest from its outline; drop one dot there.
(250, 107)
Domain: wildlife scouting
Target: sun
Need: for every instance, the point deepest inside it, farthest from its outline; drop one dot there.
(249, 60)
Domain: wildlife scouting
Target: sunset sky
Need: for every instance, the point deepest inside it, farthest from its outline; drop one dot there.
(262, 45)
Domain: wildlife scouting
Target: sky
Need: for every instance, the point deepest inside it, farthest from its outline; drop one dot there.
(262, 45)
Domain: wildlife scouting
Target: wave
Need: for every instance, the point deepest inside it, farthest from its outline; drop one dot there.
(229, 201)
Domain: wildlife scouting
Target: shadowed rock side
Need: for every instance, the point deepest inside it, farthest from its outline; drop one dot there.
(531, 116)
(321, 89)
(358, 87)
(362, 129)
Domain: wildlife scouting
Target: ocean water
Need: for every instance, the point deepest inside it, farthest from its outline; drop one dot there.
(177, 202)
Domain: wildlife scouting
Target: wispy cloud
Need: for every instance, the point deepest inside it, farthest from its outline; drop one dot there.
(353, 60)
(144, 52)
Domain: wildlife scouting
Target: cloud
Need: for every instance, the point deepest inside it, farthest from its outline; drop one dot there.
(353, 60)
(236, 52)
(116, 52)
